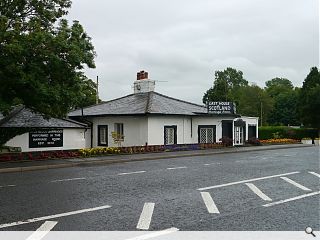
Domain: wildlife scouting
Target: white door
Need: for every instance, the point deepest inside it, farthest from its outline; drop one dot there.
(238, 135)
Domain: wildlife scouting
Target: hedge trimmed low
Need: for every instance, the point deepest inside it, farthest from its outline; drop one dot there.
(271, 132)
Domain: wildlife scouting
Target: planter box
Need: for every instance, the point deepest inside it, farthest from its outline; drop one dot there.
(308, 141)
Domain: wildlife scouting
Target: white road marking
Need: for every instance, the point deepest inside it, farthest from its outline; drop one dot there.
(176, 168)
(145, 217)
(208, 201)
(244, 181)
(155, 234)
(68, 179)
(42, 231)
(53, 216)
(208, 164)
(8, 186)
(316, 174)
(298, 185)
(291, 199)
(258, 192)
(128, 173)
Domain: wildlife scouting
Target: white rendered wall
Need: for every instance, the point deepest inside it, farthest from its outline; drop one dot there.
(217, 121)
(187, 128)
(156, 129)
(72, 139)
(251, 121)
(135, 130)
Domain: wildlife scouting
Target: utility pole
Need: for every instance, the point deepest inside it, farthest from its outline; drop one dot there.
(97, 96)
(261, 113)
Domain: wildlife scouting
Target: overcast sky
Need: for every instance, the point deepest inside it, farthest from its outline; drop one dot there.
(183, 42)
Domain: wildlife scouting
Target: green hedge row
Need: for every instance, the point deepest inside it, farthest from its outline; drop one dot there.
(270, 132)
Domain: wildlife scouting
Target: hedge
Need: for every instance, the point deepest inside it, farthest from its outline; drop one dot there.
(270, 132)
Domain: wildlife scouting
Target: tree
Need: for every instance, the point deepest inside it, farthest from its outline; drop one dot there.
(41, 57)
(309, 99)
(285, 99)
(254, 101)
(276, 86)
(225, 86)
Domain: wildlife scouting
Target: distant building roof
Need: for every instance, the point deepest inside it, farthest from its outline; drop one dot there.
(23, 117)
(140, 104)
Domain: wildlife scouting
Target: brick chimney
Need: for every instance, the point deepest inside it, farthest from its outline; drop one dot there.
(143, 83)
(142, 75)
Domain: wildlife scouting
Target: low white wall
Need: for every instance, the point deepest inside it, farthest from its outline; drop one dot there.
(72, 139)
(135, 130)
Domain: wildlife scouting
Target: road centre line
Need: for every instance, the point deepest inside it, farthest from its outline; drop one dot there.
(8, 186)
(208, 201)
(257, 191)
(298, 185)
(155, 234)
(38, 219)
(42, 231)
(291, 199)
(128, 173)
(315, 174)
(68, 179)
(248, 180)
(145, 217)
(208, 164)
(172, 168)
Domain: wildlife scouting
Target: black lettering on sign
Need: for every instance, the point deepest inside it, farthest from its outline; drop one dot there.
(46, 138)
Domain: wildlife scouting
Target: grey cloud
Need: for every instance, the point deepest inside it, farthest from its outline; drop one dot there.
(185, 41)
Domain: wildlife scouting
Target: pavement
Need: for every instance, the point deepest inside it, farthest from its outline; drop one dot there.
(266, 190)
(22, 166)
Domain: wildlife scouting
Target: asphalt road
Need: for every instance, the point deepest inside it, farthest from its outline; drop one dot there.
(274, 190)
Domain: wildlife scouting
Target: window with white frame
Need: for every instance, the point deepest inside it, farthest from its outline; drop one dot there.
(206, 133)
(102, 135)
(118, 129)
(170, 135)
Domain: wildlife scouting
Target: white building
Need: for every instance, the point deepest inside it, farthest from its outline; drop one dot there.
(40, 134)
(150, 118)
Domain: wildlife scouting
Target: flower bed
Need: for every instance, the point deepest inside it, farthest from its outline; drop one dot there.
(101, 151)
(146, 149)
(41, 155)
(280, 141)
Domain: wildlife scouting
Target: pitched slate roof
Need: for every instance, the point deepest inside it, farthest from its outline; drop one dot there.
(23, 117)
(142, 103)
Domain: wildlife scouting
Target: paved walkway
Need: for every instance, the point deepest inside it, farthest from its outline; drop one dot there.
(7, 167)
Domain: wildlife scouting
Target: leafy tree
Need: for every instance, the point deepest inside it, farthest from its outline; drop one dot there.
(285, 99)
(254, 101)
(276, 86)
(225, 86)
(41, 57)
(309, 99)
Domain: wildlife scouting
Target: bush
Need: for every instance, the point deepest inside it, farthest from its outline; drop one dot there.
(275, 132)
(226, 141)
(254, 141)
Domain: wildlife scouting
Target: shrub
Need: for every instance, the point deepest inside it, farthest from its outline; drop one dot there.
(226, 141)
(271, 132)
(254, 141)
